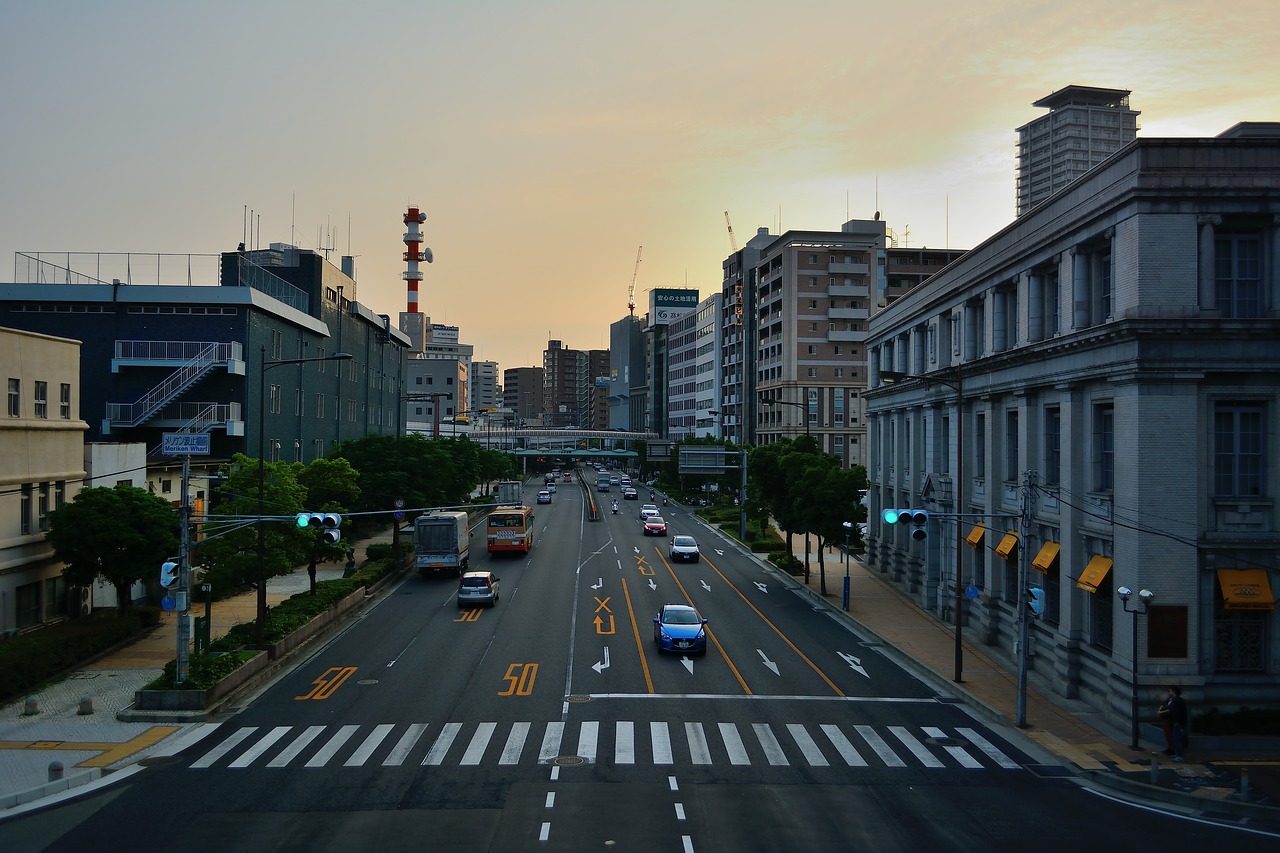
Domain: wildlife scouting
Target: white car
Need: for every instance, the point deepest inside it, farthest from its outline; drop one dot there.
(648, 510)
(684, 548)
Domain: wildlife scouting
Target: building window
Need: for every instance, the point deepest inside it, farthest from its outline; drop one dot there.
(1049, 301)
(166, 486)
(297, 402)
(59, 494)
(1101, 606)
(980, 446)
(1238, 450)
(273, 394)
(64, 402)
(55, 598)
(839, 373)
(1103, 448)
(273, 450)
(1238, 275)
(813, 373)
(15, 398)
(24, 510)
(1104, 286)
(42, 508)
(1052, 446)
(319, 407)
(27, 604)
(838, 350)
(277, 344)
(813, 350)
(813, 303)
(1011, 444)
(41, 398)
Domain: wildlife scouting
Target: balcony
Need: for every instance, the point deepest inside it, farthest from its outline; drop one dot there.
(849, 291)
(848, 314)
(835, 268)
(846, 337)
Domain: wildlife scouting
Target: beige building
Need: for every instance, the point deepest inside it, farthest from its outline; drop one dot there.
(42, 465)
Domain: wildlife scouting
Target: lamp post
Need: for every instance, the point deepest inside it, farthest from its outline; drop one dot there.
(742, 490)
(263, 366)
(1145, 597)
(804, 407)
(955, 384)
(844, 597)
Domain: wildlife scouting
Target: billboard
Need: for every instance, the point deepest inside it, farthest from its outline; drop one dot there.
(667, 304)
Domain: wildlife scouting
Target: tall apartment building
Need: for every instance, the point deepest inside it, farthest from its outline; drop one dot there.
(594, 405)
(522, 394)
(1096, 383)
(564, 375)
(1084, 126)
(485, 392)
(693, 371)
(737, 355)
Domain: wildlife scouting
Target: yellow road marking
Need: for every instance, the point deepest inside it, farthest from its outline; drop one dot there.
(635, 629)
(110, 752)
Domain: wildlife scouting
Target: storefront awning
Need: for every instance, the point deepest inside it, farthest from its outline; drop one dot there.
(1044, 560)
(1094, 573)
(1007, 544)
(1246, 589)
(975, 535)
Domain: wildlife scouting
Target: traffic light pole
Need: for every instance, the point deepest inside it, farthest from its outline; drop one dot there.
(1024, 605)
(183, 609)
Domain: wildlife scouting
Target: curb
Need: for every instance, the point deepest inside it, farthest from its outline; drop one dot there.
(1145, 793)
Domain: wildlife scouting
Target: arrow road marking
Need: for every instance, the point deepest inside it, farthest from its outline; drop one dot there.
(773, 666)
(761, 587)
(719, 553)
(634, 548)
(854, 663)
(705, 585)
(599, 583)
(652, 585)
(688, 664)
(604, 664)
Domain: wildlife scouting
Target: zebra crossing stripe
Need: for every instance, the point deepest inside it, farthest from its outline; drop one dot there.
(294, 749)
(882, 750)
(699, 749)
(624, 743)
(365, 750)
(551, 742)
(808, 748)
(734, 745)
(515, 743)
(588, 736)
(435, 755)
(917, 748)
(850, 755)
(988, 749)
(772, 749)
(225, 747)
(956, 752)
(330, 749)
(253, 753)
(405, 745)
(660, 736)
(479, 743)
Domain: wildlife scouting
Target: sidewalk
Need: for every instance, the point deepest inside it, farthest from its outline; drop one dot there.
(91, 744)
(1073, 733)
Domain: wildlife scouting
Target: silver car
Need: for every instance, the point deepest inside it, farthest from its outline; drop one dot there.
(478, 588)
(684, 548)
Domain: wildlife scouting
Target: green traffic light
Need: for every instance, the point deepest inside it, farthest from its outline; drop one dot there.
(303, 519)
(890, 516)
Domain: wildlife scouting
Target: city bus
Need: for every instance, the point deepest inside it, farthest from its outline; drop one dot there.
(509, 530)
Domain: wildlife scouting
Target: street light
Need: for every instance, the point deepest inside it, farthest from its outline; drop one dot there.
(957, 385)
(804, 407)
(742, 488)
(848, 526)
(1145, 597)
(265, 365)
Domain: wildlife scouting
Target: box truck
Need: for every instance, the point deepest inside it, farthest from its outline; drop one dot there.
(509, 493)
(442, 543)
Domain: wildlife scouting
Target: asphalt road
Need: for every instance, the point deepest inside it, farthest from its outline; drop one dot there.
(549, 722)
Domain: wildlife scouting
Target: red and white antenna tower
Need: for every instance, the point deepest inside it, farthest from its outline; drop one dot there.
(414, 254)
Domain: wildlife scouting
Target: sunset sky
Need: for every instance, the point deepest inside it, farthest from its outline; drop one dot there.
(547, 141)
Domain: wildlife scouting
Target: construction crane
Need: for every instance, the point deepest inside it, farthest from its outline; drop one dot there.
(631, 293)
(733, 241)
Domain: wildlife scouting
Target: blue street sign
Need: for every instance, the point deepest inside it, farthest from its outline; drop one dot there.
(167, 603)
(399, 515)
(971, 592)
(185, 444)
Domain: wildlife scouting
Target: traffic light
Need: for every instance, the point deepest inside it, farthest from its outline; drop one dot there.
(1035, 601)
(917, 518)
(168, 573)
(329, 522)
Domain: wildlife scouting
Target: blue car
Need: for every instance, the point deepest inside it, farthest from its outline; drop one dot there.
(679, 628)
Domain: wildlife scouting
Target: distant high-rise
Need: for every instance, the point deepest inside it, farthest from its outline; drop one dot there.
(1085, 125)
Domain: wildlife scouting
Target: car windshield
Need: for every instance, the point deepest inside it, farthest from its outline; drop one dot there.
(686, 541)
(681, 617)
(653, 519)
(475, 582)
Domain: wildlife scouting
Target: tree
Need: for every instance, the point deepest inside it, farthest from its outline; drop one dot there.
(122, 533)
(331, 486)
(230, 543)
(832, 499)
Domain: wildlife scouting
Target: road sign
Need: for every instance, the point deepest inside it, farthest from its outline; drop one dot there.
(398, 503)
(185, 444)
(398, 515)
(168, 603)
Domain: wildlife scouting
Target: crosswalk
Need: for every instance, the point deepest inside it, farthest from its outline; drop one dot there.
(620, 743)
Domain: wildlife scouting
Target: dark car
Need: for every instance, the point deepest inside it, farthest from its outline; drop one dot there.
(679, 628)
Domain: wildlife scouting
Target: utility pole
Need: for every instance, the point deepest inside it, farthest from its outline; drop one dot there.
(1024, 608)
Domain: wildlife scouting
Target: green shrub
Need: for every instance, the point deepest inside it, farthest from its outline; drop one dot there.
(787, 563)
(30, 660)
(383, 550)
(203, 671)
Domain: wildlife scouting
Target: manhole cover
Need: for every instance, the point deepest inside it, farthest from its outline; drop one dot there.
(367, 681)
(945, 741)
(569, 761)
(577, 697)
(160, 761)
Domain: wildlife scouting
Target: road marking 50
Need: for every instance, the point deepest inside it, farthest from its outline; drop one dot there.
(521, 676)
(328, 682)
(468, 615)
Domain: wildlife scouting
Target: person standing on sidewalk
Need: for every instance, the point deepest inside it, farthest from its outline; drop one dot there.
(1173, 715)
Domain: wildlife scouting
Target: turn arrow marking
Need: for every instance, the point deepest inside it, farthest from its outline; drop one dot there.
(705, 585)
(854, 663)
(773, 666)
(599, 583)
(604, 664)
(652, 585)
(761, 587)
(688, 664)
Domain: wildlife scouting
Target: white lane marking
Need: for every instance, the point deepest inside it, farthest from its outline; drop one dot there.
(842, 745)
(672, 783)
(926, 757)
(251, 754)
(225, 747)
(479, 743)
(680, 811)
(877, 744)
(515, 743)
(699, 749)
(555, 772)
(624, 743)
(772, 749)
(989, 749)
(771, 664)
(362, 753)
(808, 748)
(435, 755)
(733, 744)
(407, 742)
(551, 742)
(551, 800)
(660, 736)
(956, 752)
(601, 666)
(295, 749)
(687, 842)
(545, 833)
(330, 749)
(587, 739)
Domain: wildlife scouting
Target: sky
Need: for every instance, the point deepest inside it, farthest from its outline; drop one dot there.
(547, 142)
